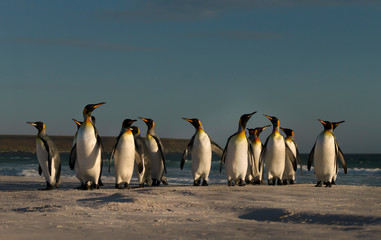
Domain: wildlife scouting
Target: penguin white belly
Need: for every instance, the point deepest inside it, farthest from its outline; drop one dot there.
(201, 156)
(275, 157)
(88, 154)
(42, 156)
(325, 157)
(257, 148)
(157, 166)
(236, 162)
(289, 173)
(124, 157)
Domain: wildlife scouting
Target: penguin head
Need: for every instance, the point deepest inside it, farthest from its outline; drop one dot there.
(244, 119)
(135, 130)
(195, 122)
(327, 125)
(274, 120)
(150, 123)
(90, 108)
(39, 125)
(127, 123)
(288, 132)
(335, 124)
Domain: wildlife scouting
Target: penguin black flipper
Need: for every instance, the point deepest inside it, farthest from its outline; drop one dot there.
(263, 152)
(290, 156)
(311, 158)
(216, 148)
(113, 151)
(340, 155)
(46, 145)
(185, 153)
(73, 156)
(224, 152)
(139, 156)
(161, 149)
(103, 157)
(39, 169)
(298, 160)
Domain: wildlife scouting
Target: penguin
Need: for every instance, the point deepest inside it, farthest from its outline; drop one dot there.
(48, 157)
(157, 153)
(89, 151)
(140, 144)
(275, 153)
(238, 153)
(201, 147)
(73, 155)
(125, 154)
(289, 173)
(256, 177)
(324, 155)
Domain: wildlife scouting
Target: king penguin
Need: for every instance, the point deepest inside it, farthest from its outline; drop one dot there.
(289, 173)
(200, 146)
(89, 150)
(253, 176)
(48, 157)
(238, 153)
(145, 176)
(157, 153)
(324, 155)
(124, 155)
(275, 153)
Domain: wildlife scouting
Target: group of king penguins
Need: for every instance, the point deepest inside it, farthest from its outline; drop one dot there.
(245, 157)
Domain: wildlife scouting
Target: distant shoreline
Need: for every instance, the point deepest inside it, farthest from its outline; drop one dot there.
(27, 143)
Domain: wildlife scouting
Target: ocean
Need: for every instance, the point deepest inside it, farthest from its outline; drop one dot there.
(363, 169)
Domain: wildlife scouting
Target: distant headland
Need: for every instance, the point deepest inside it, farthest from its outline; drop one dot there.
(27, 143)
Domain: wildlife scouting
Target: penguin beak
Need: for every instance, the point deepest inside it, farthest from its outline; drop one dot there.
(98, 104)
(32, 123)
(324, 123)
(266, 127)
(77, 122)
(145, 120)
(268, 117)
(187, 119)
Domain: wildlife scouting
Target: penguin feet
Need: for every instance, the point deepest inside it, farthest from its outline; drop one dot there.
(205, 183)
(141, 185)
(122, 185)
(241, 183)
(279, 182)
(82, 187)
(164, 181)
(333, 182)
(271, 182)
(318, 184)
(155, 182)
(48, 187)
(230, 183)
(328, 184)
(284, 181)
(292, 182)
(256, 181)
(197, 182)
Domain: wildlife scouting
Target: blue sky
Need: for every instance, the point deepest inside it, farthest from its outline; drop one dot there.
(212, 59)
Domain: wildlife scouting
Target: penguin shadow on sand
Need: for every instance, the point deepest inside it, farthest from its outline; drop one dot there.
(101, 199)
(284, 216)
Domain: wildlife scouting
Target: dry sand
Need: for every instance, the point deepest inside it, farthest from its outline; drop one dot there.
(186, 212)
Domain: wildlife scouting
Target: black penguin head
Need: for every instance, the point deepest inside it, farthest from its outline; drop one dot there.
(135, 130)
(127, 123)
(335, 124)
(327, 125)
(257, 131)
(39, 125)
(244, 119)
(90, 108)
(288, 132)
(195, 122)
(274, 120)
(150, 123)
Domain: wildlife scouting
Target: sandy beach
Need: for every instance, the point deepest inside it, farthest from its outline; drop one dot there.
(185, 212)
